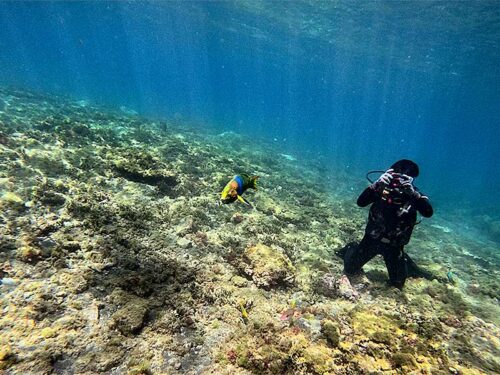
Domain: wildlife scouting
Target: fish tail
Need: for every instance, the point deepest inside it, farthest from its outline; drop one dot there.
(254, 181)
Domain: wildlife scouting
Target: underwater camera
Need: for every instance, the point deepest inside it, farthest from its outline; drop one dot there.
(392, 193)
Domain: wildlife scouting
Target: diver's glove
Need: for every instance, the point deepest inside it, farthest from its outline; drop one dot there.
(383, 180)
(408, 189)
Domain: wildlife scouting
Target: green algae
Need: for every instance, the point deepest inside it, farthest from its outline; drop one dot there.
(404, 360)
(139, 367)
(331, 332)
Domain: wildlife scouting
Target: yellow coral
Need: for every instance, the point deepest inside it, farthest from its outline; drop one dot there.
(318, 357)
(28, 253)
(269, 265)
(299, 343)
(33, 286)
(48, 332)
(366, 323)
(12, 197)
(372, 364)
(5, 352)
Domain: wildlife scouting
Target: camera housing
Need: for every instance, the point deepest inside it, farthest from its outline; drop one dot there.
(392, 192)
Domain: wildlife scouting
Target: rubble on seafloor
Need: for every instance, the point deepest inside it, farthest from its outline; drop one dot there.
(115, 258)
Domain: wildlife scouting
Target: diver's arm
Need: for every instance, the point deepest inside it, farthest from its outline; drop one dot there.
(368, 196)
(424, 206)
(373, 192)
(421, 201)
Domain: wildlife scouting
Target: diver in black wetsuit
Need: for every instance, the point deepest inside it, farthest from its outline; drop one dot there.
(393, 214)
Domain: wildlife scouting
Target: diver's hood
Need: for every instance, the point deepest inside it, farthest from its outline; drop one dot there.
(405, 166)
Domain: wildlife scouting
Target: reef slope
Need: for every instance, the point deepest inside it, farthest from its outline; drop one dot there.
(115, 259)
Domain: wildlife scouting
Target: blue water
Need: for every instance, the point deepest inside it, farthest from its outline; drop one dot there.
(360, 84)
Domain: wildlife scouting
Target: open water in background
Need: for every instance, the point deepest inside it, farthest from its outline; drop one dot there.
(360, 84)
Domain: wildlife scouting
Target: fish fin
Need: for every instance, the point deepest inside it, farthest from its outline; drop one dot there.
(244, 201)
(254, 181)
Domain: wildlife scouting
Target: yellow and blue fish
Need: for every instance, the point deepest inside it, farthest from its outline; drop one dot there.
(236, 187)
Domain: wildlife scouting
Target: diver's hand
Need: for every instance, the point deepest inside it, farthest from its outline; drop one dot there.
(408, 189)
(383, 180)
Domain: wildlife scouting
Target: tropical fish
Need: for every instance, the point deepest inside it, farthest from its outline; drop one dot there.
(244, 312)
(236, 187)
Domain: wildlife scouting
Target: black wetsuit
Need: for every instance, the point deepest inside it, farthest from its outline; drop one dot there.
(388, 230)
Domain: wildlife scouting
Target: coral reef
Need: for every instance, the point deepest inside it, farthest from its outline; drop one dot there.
(115, 258)
(268, 266)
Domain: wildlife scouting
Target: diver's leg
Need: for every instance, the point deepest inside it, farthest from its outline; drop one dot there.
(357, 256)
(415, 271)
(343, 251)
(395, 262)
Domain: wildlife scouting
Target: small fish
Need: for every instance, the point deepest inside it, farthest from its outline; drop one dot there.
(451, 277)
(244, 312)
(287, 314)
(7, 281)
(291, 313)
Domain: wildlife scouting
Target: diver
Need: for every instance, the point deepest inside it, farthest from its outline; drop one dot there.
(395, 202)
(236, 187)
